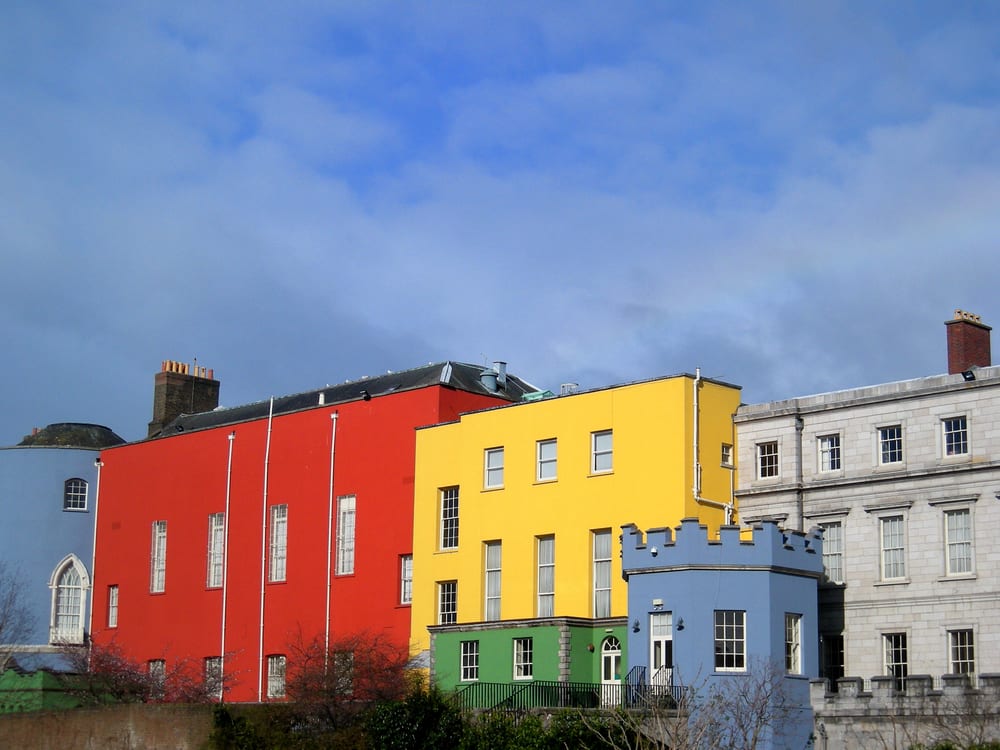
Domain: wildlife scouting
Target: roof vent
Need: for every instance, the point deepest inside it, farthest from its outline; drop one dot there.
(488, 378)
(568, 388)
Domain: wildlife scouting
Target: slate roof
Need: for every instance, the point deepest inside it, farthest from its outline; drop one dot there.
(72, 435)
(456, 375)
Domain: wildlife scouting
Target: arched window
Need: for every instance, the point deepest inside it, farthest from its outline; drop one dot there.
(75, 494)
(69, 584)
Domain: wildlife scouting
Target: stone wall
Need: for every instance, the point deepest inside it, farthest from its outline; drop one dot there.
(119, 727)
(898, 719)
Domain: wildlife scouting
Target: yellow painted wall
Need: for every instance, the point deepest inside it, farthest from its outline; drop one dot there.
(650, 485)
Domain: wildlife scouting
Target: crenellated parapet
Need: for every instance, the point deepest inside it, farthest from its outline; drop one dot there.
(688, 547)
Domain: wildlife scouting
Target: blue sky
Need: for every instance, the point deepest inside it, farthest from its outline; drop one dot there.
(791, 196)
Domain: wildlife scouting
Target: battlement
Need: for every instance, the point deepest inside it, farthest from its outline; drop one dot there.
(689, 547)
(903, 713)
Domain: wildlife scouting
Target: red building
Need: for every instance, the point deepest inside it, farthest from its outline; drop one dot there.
(234, 534)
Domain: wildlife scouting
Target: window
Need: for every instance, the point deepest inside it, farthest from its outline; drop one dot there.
(75, 494)
(793, 643)
(727, 455)
(546, 454)
(730, 640)
(406, 579)
(962, 652)
(890, 444)
(278, 559)
(449, 518)
(601, 447)
(69, 583)
(833, 550)
(216, 545)
(447, 602)
(343, 673)
(602, 573)
(833, 656)
(956, 436)
(470, 661)
(213, 676)
(346, 507)
(546, 576)
(158, 558)
(492, 582)
(113, 606)
(522, 658)
(893, 547)
(493, 471)
(829, 452)
(767, 460)
(895, 657)
(958, 540)
(276, 676)
(157, 669)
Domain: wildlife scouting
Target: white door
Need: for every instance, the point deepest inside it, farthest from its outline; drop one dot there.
(611, 671)
(661, 648)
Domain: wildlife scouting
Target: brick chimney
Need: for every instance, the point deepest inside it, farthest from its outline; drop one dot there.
(968, 342)
(181, 389)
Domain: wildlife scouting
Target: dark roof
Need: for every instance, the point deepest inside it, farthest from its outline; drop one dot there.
(72, 435)
(455, 375)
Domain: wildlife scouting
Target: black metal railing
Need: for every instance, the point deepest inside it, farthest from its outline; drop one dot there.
(522, 696)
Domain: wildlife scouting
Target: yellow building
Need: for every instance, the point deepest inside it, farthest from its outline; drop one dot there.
(517, 517)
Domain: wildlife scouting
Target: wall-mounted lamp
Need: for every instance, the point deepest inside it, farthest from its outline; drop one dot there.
(635, 626)
(680, 623)
(968, 375)
(654, 552)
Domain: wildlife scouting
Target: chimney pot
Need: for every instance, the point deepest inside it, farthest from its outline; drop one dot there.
(968, 342)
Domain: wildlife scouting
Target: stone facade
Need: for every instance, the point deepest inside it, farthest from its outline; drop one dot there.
(905, 478)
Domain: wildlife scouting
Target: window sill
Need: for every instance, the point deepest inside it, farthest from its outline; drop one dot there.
(958, 577)
(892, 582)
(546, 481)
(601, 473)
(492, 489)
(75, 510)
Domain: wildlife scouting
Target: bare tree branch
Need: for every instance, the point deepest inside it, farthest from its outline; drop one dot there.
(16, 619)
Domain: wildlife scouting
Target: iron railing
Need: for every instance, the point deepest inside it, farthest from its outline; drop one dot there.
(522, 696)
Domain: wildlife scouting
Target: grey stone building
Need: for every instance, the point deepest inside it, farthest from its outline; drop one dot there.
(904, 478)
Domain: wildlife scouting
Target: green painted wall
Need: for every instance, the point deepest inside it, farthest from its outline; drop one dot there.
(35, 691)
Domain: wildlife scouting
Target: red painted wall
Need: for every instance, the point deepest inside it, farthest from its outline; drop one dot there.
(182, 479)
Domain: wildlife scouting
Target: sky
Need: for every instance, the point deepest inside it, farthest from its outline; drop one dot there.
(792, 197)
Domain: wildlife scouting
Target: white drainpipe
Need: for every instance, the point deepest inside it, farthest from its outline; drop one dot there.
(263, 558)
(225, 564)
(696, 489)
(329, 541)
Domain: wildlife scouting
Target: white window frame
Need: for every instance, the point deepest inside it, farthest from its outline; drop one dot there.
(768, 457)
(277, 665)
(346, 533)
(601, 549)
(958, 546)
(546, 576)
(492, 580)
(524, 666)
(726, 455)
(447, 597)
(961, 651)
(113, 605)
(793, 643)
(894, 645)
(546, 460)
(406, 579)
(602, 452)
(469, 655)
(157, 671)
(892, 546)
(158, 558)
(75, 495)
(833, 550)
(661, 645)
(890, 448)
(449, 497)
(955, 436)
(493, 463)
(69, 584)
(277, 568)
(730, 637)
(212, 674)
(216, 549)
(829, 455)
